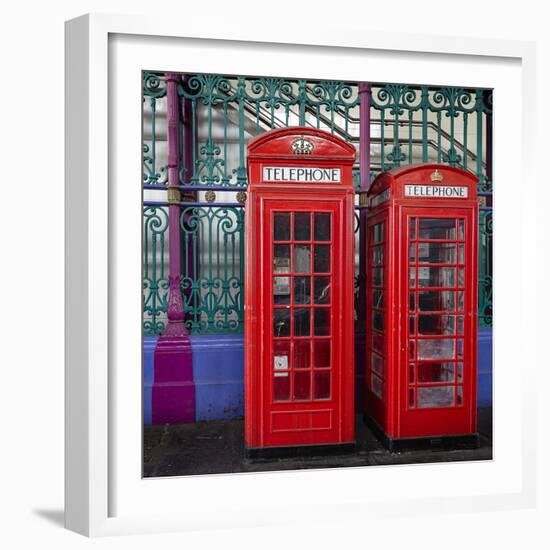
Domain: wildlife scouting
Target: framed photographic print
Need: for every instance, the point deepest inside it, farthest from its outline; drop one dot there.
(282, 275)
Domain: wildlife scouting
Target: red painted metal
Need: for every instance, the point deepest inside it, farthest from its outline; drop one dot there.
(299, 294)
(421, 364)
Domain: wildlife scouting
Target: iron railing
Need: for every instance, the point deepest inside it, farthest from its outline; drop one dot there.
(219, 114)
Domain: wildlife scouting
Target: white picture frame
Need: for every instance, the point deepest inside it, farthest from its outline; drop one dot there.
(105, 493)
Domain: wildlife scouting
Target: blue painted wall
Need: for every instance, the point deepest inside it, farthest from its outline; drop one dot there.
(218, 371)
(149, 344)
(485, 368)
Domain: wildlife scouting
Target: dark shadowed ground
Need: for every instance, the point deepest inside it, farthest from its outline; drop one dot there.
(217, 447)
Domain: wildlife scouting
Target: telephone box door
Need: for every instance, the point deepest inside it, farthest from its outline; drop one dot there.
(303, 336)
(439, 251)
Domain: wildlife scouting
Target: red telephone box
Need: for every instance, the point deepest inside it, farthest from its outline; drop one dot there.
(299, 293)
(422, 306)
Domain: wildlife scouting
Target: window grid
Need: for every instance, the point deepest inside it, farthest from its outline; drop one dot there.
(377, 274)
(307, 377)
(436, 332)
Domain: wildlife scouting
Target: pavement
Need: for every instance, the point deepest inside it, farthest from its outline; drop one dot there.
(217, 446)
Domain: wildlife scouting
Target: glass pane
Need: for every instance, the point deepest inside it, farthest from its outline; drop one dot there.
(281, 258)
(302, 385)
(301, 354)
(436, 372)
(281, 387)
(459, 395)
(440, 396)
(322, 290)
(435, 300)
(377, 276)
(460, 324)
(378, 342)
(412, 305)
(378, 299)
(321, 260)
(411, 324)
(302, 290)
(459, 368)
(460, 348)
(281, 322)
(378, 255)
(376, 385)
(442, 348)
(461, 229)
(436, 324)
(378, 232)
(377, 364)
(322, 227)
(411, 374)
(281, 290)
(378, 320)
(282, 348)
(461, 276)
(460, 301)
(460, 253)
(322, 385)
(281, 358)
(411, 349)
(412, 253)
(302, 258)
(301, 322)
(281, 226)
(412, 229)
(438, 228)
(437, 253)
(436, 276)
(412, 277)
(302, 226)
(411, 398)
(321, 356)
(322, 321)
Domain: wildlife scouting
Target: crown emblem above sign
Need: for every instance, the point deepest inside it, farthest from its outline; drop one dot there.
(437, 176)
(302, 146)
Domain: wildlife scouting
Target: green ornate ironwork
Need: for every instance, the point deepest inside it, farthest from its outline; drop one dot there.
(154, 90)
(213, 270)
(409, 124)
(485, 284)
(155, 274)
(228, 111)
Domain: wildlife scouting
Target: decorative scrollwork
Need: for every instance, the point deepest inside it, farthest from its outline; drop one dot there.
(271, 93)
(452, 101)
(213, 294)
(332, 95)
(209, 89)
(155, 279)
(485, 283)
(398, 98)
(210, 166)
(150, 175)
(154, 85)
(409, 124)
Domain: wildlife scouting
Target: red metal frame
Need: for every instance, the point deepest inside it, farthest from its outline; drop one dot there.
(412, 405)
(298, 400)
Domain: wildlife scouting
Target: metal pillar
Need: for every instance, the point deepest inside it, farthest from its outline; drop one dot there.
(173, 396)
